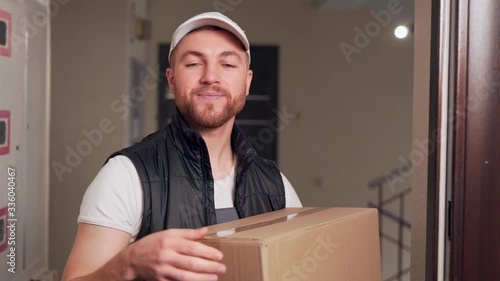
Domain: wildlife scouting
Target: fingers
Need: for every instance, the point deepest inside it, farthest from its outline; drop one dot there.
(181, 257)
(198, 249)
(172, 273)
(195, 264)
(185, 244)
(191, 234)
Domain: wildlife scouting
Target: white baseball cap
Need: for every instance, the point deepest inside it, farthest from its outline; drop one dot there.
(209, 19)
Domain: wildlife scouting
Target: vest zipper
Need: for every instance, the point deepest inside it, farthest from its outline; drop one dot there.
(206, 178)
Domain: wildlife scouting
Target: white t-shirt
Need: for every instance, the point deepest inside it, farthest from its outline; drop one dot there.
(115, 198)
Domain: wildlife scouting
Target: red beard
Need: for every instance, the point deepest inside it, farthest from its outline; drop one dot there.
(211, 115)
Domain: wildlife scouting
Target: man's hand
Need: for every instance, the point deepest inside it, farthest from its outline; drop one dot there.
(174, 254)
(105, 254)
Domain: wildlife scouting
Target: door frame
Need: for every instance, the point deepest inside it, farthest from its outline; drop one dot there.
(475, 221)
(453, 188)
(426, 102)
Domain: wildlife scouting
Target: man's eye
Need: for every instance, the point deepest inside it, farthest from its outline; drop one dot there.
(192, 64)
(228, 65)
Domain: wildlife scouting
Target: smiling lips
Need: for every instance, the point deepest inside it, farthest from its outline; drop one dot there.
(210, 95)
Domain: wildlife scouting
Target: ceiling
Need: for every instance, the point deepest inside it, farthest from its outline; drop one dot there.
(377, 5)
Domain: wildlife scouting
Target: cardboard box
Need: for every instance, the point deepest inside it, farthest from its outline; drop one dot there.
(295, 244)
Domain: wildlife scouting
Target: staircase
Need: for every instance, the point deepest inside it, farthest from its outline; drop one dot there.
(385, 197)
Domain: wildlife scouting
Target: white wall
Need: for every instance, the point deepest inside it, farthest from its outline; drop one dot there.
(422, 99)
(24, 80)
(139, 55)
(89, 66)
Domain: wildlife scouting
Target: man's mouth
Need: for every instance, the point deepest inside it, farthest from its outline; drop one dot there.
(210, 95)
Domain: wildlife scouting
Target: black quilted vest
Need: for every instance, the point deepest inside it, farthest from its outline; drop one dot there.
(178, 187)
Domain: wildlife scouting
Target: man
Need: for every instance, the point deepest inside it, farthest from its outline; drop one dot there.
(141, 217)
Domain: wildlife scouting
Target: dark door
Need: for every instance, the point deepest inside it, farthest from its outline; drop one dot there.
(475, 224)
(258, 118)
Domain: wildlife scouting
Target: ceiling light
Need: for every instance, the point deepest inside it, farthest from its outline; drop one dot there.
(401, 31)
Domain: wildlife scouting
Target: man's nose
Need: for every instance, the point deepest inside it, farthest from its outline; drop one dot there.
(210, 74)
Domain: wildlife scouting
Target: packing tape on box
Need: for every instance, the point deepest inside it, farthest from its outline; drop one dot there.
(228, 232)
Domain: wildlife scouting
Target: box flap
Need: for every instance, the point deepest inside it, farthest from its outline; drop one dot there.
(283, 222)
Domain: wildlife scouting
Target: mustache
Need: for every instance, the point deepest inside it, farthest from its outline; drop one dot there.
(217, 89)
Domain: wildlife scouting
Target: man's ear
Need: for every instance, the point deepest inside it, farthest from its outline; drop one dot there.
(249, 81)
(171, 79)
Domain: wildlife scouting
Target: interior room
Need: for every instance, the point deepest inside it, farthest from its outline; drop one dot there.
(332, 103)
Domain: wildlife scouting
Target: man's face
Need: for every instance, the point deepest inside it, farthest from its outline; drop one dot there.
(209, 77)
